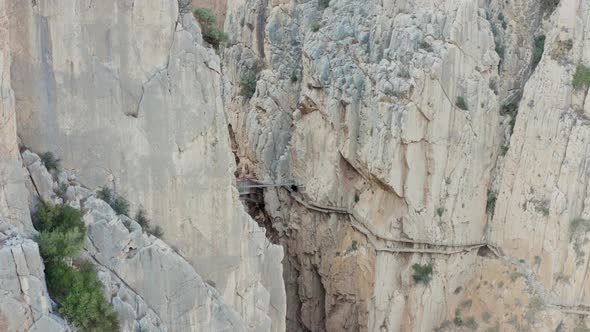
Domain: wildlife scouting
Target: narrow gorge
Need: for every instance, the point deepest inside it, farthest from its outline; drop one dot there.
(295, 165)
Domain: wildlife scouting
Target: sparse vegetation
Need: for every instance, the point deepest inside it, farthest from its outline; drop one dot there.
(504, 149)
(548, 6)
(61, 231)
(458, 320)
(144, 222)
(471, 323)
(581, 328)
(443, 326)
(316, 25)
(538, 48)
(422, 273)
(562, 49)
(491, 203)
(581, 77)
(50, 161)
(578, 226)
(461, 103)
(515, 275)
(495, 328)
(425, 46)
(117, 203)
(404, 73)
(61, 191)
(248, 84)
(466, 303)
(211, 32)
(542, 206)
(353, 247)
(486, 316)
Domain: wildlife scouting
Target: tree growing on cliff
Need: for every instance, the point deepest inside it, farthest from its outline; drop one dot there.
(61, 231)
(248, 84)
(211, 32)
(76, 290)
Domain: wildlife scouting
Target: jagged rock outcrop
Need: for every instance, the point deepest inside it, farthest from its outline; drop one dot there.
(153, 288)
(24, 303)
(127, 96)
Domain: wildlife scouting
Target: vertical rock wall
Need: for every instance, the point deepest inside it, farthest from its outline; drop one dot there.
(126, 95)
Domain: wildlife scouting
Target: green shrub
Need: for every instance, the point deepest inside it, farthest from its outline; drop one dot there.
(211, 33)
(425, 46)
(458, 320)
(486, 316)
(491, 202)
(80, 297)
(156, 231)
(500, 50)
(581, 77)
(294, 77)
(315, 26)
(548, 6)
(144, 222)
(248, 84)
(578, 226)
(50, 161)
(471, 323)
(461, 103)
(538, 48)
(422, 273)
(117, 203)
(323, 4)
(61, 231)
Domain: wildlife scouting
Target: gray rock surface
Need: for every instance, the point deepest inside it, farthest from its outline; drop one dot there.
(24, 302)
(151, 286)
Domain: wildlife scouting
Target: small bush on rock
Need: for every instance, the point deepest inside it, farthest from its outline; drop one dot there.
(323, 4)
(461, 103)
(315, 26)
(491, 202)
(144, 222)
(50, 161)
(248, 84)
(211, 33)
(117, 203)
(422, 273)
(538, 48)
(581, 77)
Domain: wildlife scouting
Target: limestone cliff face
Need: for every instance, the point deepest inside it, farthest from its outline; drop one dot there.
(127, 96)
(418, 131)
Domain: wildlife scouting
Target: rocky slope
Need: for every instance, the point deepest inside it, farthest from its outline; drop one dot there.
(433, 135)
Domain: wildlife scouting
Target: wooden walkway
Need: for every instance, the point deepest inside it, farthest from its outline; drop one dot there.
(391, 244)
